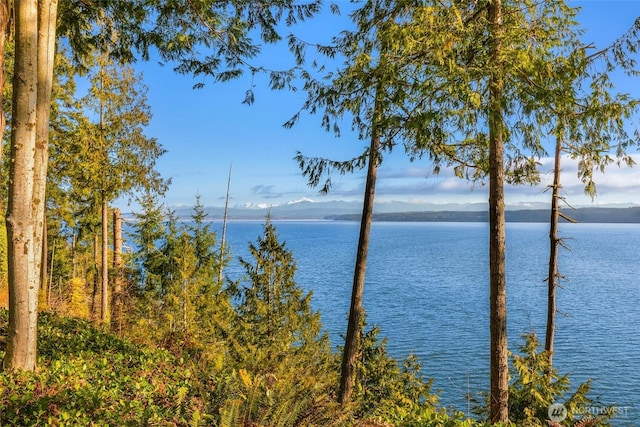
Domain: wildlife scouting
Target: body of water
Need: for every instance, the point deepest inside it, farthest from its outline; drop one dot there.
(427, 290)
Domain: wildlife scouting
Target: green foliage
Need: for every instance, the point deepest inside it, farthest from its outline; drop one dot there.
(88, 377)
(435, 60)
(394, 391)
(148, 232)
(275, 330)
(77, 305)
(534, 388)
(182, 304)
(117, 157)
(273, 311)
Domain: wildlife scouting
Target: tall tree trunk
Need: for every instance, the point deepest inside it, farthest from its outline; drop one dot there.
(118, 294)
(47, 17)
(223, 242)
(5, 20)
(96, 312)
(44, 293)
(497, 236)
(50, 280)
(21, 224)
(74, 238)
(554, 241)
(105, 262)
(354, 332)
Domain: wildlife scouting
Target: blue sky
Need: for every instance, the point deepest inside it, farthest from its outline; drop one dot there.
(207, 130)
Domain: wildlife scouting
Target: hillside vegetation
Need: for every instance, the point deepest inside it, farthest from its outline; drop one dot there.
(90, 377)
(251, 353)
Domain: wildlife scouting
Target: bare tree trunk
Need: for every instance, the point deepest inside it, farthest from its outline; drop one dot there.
(118, 296)
(354, 332)
(47, 16)
(23, 274)
(5, 21)
(50, 281)
(554, 241)
(96, 312)
(44, 293)
(105, 262)
(223, 242)
(74, 239)
(497, 236)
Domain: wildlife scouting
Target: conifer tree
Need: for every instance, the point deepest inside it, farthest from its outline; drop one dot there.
(372, 87)
(220, 28)
(466, 91)
(282, 357)
(592, 124)
(117, 158)
(148, 234)
(276, 319)
(181, 297)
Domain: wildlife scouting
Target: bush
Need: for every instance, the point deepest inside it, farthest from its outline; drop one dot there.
(88, 377)
(534, 388)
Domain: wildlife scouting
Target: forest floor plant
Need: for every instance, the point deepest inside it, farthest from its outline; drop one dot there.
(534, 388)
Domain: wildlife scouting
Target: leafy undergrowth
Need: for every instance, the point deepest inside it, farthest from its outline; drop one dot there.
(88, 377)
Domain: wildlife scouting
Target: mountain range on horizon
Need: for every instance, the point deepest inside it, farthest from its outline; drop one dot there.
(307, 209)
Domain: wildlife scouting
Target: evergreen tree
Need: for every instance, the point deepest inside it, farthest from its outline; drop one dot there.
(275, 314)
(113, 156)
(535, 386)
(181, 297)
(204, 241)
(147, 236)
(212, 25)
(282, 357)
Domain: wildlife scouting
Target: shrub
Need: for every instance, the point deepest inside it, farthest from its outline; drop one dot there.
(89, 377)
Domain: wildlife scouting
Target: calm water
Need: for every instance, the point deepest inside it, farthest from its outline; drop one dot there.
(427, 290)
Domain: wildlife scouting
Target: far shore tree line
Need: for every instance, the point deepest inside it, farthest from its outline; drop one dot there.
(482, 87)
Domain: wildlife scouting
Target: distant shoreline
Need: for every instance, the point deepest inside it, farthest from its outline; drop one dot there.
(585, 215)
(581, 215)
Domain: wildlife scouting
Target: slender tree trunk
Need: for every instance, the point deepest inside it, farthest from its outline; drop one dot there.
(497, 236)
(5, 20)
(354, 327)
(44, 294)
(223, 242)
(105, 262)
(50, 280)
(21, 224)
(96, 312)
(47, 16)
(554, 241)
(118, 295)
(74, 238)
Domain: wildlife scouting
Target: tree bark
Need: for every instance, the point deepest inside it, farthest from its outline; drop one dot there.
(5, 21)
(499, 365)
(47, 16)
(21, 224)
(554, 241)
(105, 262)
(44, 293)
(354, 327)
(118, 296)
(223, 242)
(96, 306)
